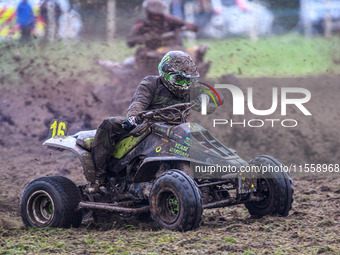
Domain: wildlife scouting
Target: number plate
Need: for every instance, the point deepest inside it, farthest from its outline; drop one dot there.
(57, 127)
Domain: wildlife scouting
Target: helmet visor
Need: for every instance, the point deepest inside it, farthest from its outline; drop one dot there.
(181, 80)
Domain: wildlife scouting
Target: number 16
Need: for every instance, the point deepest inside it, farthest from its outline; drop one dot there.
(57, 128)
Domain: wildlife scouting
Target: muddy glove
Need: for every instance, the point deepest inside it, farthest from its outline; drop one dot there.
(130, 123)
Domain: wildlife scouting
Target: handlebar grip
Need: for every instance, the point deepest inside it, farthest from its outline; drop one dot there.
(137, 131)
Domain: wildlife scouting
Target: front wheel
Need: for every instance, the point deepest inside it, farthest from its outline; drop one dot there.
(275, 187)
(175, 202)
(51, 201)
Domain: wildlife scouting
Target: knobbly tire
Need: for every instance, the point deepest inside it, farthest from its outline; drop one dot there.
(175, 202)
(51, 201)
(276, 187)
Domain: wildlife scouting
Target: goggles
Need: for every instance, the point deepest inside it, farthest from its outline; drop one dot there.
(181, 80)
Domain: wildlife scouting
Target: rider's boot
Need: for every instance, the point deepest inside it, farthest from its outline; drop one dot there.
(97, 184)
(101, 151)
(96, 181)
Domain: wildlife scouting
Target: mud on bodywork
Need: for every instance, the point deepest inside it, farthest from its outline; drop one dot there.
(71, 143)
(186, 143)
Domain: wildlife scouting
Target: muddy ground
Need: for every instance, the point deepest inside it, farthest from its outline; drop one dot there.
(312, 226)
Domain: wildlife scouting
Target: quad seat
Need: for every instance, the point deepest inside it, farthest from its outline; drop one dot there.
(85, 139)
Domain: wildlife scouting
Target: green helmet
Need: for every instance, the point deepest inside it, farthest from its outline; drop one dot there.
(177, 71)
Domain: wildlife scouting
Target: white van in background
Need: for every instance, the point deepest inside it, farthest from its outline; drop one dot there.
(236, 17)
(314, 13)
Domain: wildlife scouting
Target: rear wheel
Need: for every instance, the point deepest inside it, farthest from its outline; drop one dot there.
(51, 201)
(175, 202)
(276, 189)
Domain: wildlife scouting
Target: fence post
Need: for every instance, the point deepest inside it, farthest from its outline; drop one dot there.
(327, 21)
(111, 22)
(254, 27)
(190, 18)
(307, 26)
(52, 26)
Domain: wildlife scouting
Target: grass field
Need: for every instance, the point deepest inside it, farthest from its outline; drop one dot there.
(281, 56)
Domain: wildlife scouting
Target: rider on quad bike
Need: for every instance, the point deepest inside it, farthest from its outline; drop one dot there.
(157, 34)
(177, 73)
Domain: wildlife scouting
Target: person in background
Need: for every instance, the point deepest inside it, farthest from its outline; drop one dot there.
(26, 20)
(156, 33)
(203, 13)
(177, 9)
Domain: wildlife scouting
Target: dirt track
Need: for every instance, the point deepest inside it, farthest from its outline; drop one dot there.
(313, 225)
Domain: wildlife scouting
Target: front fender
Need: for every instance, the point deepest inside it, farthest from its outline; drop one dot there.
(150, 166)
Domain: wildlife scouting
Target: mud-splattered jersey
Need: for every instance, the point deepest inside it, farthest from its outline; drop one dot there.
(148, 32)
(152, 94)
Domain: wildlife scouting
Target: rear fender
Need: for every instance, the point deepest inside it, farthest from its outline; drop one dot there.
(69, 143)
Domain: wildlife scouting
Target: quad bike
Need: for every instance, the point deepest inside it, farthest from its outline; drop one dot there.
(151, 172)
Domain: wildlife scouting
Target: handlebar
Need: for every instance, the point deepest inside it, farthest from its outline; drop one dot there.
(174, 114)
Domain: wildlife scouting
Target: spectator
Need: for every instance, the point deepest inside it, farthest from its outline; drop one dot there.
(177, 9)
(26, 20)
(203, 13)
